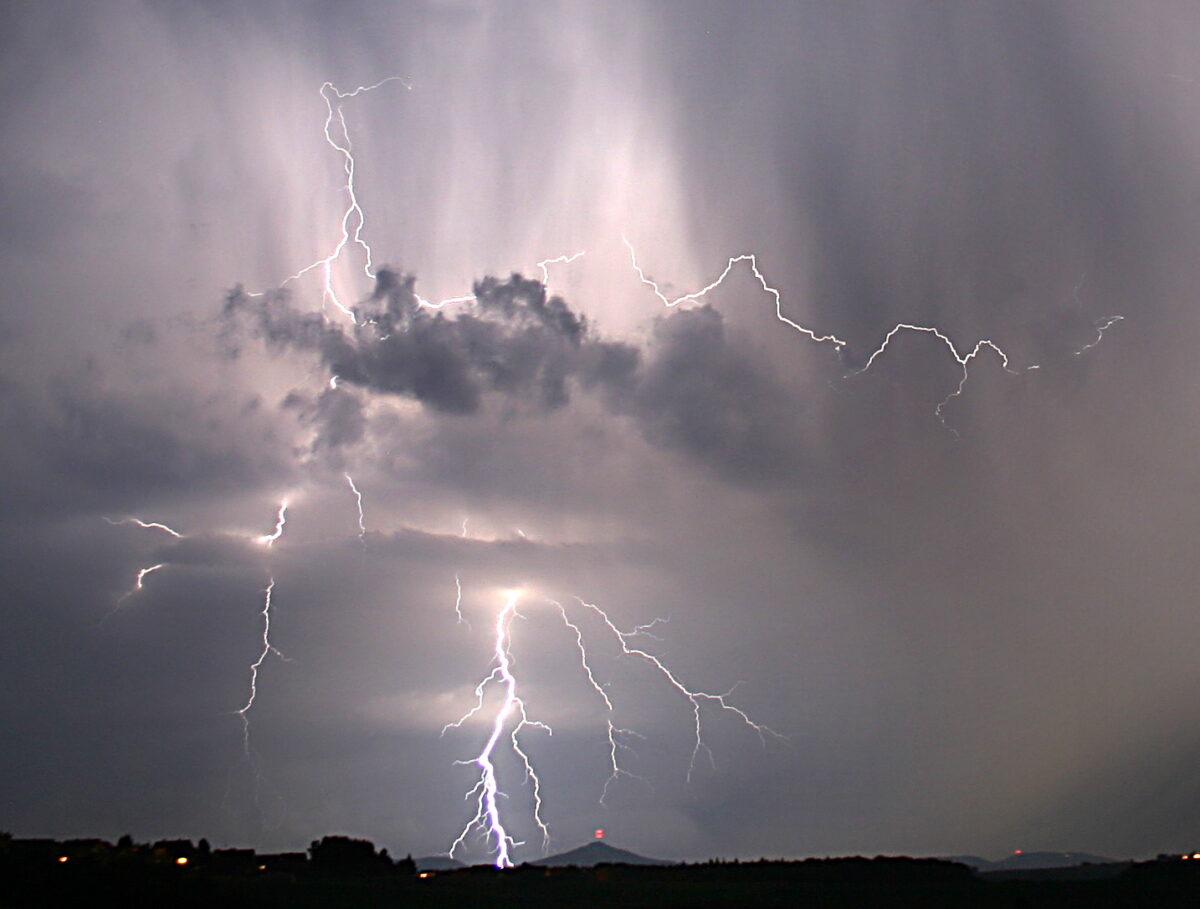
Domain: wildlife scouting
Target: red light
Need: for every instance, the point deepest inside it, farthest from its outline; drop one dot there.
(599, 833)
(1018, 852)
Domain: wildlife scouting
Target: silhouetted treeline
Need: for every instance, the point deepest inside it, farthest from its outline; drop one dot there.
(339, 872)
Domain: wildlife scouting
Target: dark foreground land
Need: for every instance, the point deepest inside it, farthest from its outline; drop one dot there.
(152, 880)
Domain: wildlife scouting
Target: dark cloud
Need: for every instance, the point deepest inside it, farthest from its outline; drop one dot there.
(513, 340)
(696, 387)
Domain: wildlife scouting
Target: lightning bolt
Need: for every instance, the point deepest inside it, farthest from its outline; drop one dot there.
(148, 525)
(695, 698)
(339, 140)
(963, 360)
(267, 649)
(362, 527)
(1101, 327)
(458, 602)
(269, 539)
(487, 819)
(141, 577)
(558, 260)
(695, 297)
(615, 733)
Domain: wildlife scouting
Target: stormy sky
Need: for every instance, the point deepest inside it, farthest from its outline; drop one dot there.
(973, 634)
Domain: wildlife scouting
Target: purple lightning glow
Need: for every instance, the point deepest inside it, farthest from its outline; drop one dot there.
(510, 717)
(488, 820)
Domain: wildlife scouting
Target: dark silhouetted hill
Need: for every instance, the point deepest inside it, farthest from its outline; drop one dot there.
(594, 854)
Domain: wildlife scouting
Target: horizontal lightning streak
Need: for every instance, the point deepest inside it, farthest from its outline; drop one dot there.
(148, 525)
(963, 360)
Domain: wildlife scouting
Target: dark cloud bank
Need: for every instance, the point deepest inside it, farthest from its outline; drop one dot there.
(695, 386)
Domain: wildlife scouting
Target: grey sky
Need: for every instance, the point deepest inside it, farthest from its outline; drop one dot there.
(972, 644)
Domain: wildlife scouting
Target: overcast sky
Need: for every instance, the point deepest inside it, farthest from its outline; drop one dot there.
(974, 628)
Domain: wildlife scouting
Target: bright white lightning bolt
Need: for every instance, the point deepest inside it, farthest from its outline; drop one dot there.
(141, 577)
(963, 360)
(362, 527)
(698, 295)
(487, 819)
(333, 96)
(267, 649)
(148, 525)
(558, 260)
(269, 539)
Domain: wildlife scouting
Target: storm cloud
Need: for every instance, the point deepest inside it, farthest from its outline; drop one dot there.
(975, 640)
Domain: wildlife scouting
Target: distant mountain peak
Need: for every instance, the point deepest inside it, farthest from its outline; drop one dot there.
(597, 853)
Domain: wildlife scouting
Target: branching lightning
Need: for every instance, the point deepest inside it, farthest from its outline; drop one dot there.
(616, 734)
(333, 98)
(963, 360)
(510, 717)
(511, 712)
(267, 649)
(487, 820)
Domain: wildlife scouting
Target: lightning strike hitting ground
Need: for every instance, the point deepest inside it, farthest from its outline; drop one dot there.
(511, 718)
(487, 820)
